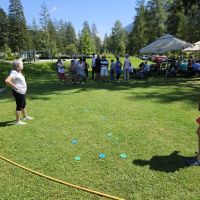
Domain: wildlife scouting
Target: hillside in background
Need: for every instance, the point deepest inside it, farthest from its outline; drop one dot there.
(128, 28)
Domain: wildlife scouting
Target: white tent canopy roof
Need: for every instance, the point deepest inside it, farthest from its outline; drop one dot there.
(165, 43)
(197, 43)
(196, 47)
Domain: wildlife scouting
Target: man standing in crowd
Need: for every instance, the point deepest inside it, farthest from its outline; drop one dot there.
(93, 65)
(98, 67)
(104, 69)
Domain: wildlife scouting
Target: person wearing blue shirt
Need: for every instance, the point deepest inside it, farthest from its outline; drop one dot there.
(118, 68)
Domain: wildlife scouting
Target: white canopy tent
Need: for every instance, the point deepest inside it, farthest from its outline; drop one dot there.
(165, 43)
(196, 47)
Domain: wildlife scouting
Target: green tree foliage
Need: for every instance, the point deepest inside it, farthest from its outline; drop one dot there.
(106, 48)
(155, 19)
(44, 16)
(95, 39)
(44, 21)
(192, 28)
(176, 22)
(60, 27)
(70, 41)
(183, 24)
(138, 37)
(52, 38)
(71, 49)
(118, 40)
(70, 35)
(188, 4)
(18, 34)
(67, 41)
(49, 34)
(36, 36)
(3, 30)
(85, 40)
(8, 55)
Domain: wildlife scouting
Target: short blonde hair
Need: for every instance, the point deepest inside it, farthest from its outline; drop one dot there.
(16, 64)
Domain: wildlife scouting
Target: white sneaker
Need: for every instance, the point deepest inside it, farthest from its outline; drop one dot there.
(27, 118)
(20, 123)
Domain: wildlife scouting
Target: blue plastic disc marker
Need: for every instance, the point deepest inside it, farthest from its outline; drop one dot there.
(77, 158)
(102, 155)
(123, 155)
(74, 141)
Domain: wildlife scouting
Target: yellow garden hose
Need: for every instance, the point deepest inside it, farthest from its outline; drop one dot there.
(62, 182)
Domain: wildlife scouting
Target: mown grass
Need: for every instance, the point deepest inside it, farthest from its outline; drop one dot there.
(152, 121)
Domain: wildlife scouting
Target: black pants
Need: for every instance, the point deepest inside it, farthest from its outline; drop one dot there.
(20, 100)
(118, 75)
(86, 73)
(93, 71)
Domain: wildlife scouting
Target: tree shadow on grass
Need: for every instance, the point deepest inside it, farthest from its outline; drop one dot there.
(7, 123)
(170, 163)
(41, 87)
(169, 91)
(168, 97)
(42, 82)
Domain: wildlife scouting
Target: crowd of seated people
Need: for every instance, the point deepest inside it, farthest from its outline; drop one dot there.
(143, 71)
(189, 67)
(196, 67)
(175, 67)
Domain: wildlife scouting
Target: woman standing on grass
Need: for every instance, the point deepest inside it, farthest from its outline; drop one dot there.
(17, 82)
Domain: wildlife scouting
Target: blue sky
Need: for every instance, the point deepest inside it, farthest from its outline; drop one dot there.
(103, 13)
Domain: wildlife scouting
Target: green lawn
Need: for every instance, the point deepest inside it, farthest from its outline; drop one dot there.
(152, 121)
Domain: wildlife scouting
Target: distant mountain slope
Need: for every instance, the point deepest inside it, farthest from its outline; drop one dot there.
(128, 28)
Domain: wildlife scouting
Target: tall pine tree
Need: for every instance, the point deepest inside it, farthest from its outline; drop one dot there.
(192, 30)
(60, 27)
(96, 39)
(85, 40)
(118, 38)
(155, 18)
(36, 36)
(137, 37)
(3, 29)
(44, 22)
(70, 40)
(52, 38)
(107, 46)
(176, 21)
(18, 35)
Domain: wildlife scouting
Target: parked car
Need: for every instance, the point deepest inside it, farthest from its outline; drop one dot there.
(144, 57)
(158, 58)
